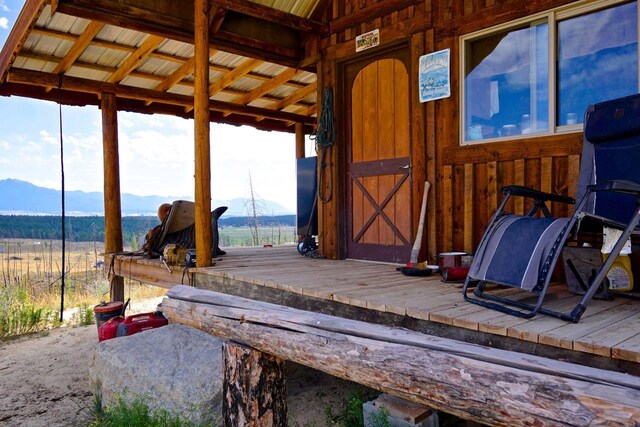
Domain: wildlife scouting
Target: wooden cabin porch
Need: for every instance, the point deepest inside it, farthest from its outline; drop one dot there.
(607, 336)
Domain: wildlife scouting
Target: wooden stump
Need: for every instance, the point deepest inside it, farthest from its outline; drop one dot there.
(254, 390)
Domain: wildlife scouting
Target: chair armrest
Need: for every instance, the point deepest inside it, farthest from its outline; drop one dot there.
(619, 186)
(518, 190)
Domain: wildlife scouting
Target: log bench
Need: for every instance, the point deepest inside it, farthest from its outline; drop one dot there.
(474, 382)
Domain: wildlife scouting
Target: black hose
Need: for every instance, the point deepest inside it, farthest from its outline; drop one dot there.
(62, 192)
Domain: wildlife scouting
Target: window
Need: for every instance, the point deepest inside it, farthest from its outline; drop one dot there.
(539, 76)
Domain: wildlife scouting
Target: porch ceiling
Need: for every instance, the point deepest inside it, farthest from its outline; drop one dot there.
(142, 51)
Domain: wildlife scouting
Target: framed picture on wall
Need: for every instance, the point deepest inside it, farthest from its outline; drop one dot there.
(434, 76)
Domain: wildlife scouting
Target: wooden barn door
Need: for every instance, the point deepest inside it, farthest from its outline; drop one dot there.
(378, 160)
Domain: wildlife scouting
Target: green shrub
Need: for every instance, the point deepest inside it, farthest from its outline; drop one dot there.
(351, 416)
(84, 316)
(134, 414)
(19, 316)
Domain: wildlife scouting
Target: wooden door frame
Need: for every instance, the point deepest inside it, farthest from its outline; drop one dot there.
(344, 82)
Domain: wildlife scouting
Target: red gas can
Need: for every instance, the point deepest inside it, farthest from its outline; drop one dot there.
(141, 322)
(109, 329)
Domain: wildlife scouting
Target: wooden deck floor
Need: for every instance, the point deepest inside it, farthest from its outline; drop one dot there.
(608, 328)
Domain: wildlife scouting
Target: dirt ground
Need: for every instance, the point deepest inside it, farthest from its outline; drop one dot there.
(45, 382)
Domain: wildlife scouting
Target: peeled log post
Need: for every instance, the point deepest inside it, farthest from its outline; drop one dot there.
(254, 390)
(201, 120)
(112, 212)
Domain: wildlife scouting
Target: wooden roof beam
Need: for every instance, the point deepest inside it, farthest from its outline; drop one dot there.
(268, 86)
(44, 80)
(80, 44)
(174, 20)
(143, 75)
(19, 33)
(233, 75)
(296, 96)
(216, 15)
(136, 58)
(369, 13)
(318, 11)
(177, 76)
(158, 55)
(270, 14)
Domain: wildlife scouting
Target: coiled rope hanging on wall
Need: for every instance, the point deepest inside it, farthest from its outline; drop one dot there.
(324, 139)
(62, 277)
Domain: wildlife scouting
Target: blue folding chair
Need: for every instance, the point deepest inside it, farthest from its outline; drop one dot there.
(521, 251)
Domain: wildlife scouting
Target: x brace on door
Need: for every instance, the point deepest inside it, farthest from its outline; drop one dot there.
(380, 209)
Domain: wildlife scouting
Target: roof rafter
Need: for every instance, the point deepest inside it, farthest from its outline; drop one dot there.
(174, 20)
(80, 44)
(19, 33)
(158, 55)
(177, 76)
(142, 75)
(268, 86)
(233, 75)
(37, 78)
(133, 60)
(296, 96)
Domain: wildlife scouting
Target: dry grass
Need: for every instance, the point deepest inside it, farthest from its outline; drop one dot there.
(30, 282)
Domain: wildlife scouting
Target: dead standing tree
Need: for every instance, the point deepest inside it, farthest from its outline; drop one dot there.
(254, 209)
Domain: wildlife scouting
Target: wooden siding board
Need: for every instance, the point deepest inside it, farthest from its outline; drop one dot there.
(431, 157)
(446, 213)
(459, 225)
(560, 184)
(481, 207)
(573, 172)
(506, 176)
(469, 201)
(519, 174)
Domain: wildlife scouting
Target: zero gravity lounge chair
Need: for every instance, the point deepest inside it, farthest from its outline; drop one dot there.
(521, 251)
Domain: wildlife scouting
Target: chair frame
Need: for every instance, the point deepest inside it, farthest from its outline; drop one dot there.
(571, 230)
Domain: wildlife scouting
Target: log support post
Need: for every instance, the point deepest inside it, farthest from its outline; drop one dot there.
(254, 388)
(112, 211)
(299, 141)
(201, 132)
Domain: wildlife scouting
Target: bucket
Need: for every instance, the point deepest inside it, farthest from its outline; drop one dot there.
(108, 310)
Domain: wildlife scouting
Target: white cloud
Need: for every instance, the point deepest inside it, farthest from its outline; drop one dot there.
(4, 145)
(47, 137)
(4, 23)
(4, 7)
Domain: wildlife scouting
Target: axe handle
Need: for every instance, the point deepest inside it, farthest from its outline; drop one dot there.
(415, 251)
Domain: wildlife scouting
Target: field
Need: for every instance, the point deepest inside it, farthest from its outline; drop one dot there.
(31, 271)
(243, 236)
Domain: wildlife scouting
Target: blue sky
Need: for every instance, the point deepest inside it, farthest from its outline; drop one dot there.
(156, 152)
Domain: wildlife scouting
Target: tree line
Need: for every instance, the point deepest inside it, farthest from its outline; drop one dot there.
(91, 228)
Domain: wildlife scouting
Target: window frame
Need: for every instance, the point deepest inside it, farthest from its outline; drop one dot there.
(551, 17)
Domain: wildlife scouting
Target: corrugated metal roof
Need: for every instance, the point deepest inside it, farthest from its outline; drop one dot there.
(302, 8)
(53, 37)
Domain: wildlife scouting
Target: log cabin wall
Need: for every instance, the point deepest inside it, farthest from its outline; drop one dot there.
(466, 180)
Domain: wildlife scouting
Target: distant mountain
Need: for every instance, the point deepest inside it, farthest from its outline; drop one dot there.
(23, 198)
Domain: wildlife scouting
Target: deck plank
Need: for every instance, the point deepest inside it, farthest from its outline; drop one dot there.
(608, 328)
(565, 335)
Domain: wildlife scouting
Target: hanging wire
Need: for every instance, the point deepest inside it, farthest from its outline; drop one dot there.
(324, 139)
(63, 207)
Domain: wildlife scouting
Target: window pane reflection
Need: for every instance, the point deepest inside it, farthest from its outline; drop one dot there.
(597, 60)
(506, 83)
